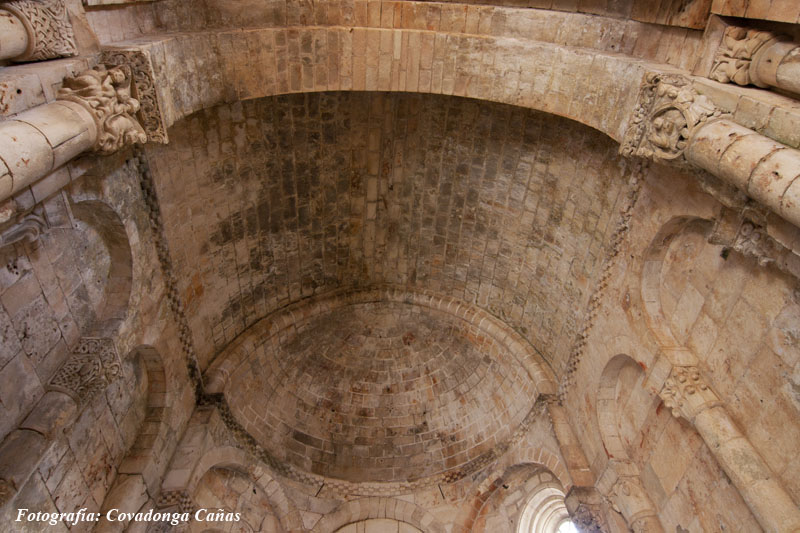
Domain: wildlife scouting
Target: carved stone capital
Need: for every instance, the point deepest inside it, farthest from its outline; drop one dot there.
(48, 27)
(629, 498)
(94, 364)
(686, 393)
(588, 519)
(667, 115)
(106, 95)
(735, 55)
(28, 229)
(150, 115)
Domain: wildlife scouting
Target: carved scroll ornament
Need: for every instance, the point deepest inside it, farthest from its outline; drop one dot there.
(94, 364)
(668, 114)
(106, 94)
(49, 30)
(735, 55)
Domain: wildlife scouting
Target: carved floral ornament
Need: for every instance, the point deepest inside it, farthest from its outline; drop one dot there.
(106, 95)
(735, 55)
(94, 364)
(48, 27)
(669, 112)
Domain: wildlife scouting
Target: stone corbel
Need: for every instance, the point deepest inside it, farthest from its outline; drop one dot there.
(94, 364)
(106, 94)
(686, 393)
(144, 89)
(47, 27)
(668, 114)
(28, 229)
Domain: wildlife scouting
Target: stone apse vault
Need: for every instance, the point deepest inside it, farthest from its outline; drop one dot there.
(369, 266)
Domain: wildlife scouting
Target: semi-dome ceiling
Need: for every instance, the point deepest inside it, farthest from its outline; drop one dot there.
(379, 391)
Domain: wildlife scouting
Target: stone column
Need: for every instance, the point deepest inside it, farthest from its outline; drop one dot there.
(687, 394)
(757, 57)
(35, 30)
(93, 111)
(675, 124)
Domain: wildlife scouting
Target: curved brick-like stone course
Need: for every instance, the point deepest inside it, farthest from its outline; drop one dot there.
(380, 391)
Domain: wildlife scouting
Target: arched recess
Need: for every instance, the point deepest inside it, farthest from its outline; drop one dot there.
(651, 276)
(110, 288)
(623, 403)
(226, 492)
(371, 508)
(137, 478)
(153, 431)
(237, 460)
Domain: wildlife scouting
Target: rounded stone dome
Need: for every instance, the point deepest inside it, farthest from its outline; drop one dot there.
(380, 391)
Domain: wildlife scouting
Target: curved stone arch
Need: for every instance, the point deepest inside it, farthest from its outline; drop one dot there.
(652, 266)
(524, 465)
(379, 507)
(349, 65)
(117, 290)
(238, 351)
(240, 461)
(541, 456)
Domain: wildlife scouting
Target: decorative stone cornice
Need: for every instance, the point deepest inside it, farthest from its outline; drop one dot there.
(686, 393)
(48, 27)
(667, 115)
(106, 95)
(93, 366)
(28, 229)
(734, 57)
(150, 113)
